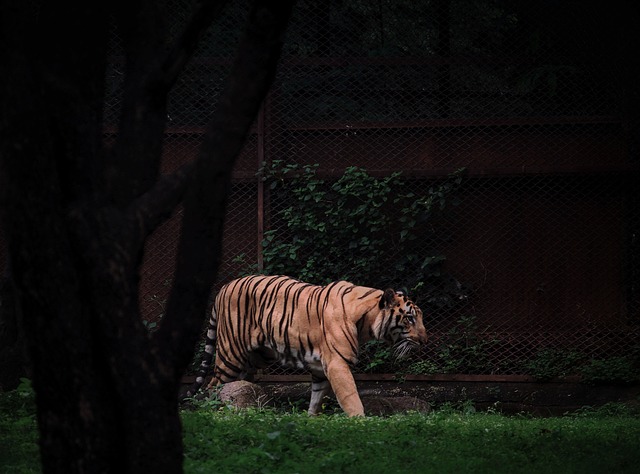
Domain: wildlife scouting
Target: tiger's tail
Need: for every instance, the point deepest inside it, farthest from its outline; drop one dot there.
(207, 356)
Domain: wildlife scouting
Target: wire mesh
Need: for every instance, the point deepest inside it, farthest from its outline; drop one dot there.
(541, 245)
(540, 234)
(542, 237)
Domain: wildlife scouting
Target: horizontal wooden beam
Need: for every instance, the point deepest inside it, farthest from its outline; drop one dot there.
(488, 378)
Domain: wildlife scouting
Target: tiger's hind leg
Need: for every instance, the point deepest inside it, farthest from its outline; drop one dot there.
(259, 358)
(320, 387)
(240, 364)
(230, 369)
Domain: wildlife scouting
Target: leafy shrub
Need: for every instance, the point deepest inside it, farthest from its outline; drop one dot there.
(611, 370)
(19, 402)
(464, 349)
(378, 356)
(422, 367)
(18, 430)
(360, 228)
(550, 363)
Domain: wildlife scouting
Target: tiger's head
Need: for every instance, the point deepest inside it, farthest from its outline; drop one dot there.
(400, 323)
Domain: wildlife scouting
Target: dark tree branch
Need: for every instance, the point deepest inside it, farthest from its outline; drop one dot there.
(205, 13)
(200, 243)
(135, 161)
(156, 205)
(72, 88)
(152, 69)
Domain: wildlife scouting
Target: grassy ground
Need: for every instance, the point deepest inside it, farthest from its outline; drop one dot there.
(449, 439)
(18, 431)
(444, 441)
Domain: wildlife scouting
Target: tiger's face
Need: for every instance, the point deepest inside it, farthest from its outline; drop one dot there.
(402, 324)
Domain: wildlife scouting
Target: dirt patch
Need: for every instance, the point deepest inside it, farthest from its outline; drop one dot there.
(540, 399)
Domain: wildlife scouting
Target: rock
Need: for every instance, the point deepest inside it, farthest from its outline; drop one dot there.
(243, 394)
(383, 406)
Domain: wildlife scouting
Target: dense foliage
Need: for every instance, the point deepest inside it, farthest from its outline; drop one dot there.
(360, 228)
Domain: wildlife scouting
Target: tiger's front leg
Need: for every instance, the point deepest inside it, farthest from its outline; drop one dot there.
(344, 386)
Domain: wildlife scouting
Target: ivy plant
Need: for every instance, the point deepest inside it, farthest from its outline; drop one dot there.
(369, 230)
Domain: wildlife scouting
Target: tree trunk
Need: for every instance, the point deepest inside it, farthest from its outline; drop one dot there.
(77, 216)
(13, 358)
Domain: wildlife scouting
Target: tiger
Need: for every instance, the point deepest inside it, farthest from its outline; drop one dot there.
(258, 320)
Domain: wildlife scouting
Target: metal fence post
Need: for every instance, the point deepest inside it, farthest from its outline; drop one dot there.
(260, 184)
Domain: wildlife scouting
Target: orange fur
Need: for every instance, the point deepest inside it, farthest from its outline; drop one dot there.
(258, 320)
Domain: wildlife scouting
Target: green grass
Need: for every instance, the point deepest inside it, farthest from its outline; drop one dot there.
(606, 440)
(18, 431)
(440, 442)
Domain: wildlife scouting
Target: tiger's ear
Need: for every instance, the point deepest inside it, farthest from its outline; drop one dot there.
(387, 297)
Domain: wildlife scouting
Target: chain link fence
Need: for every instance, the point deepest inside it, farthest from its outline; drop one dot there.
(530, 265)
